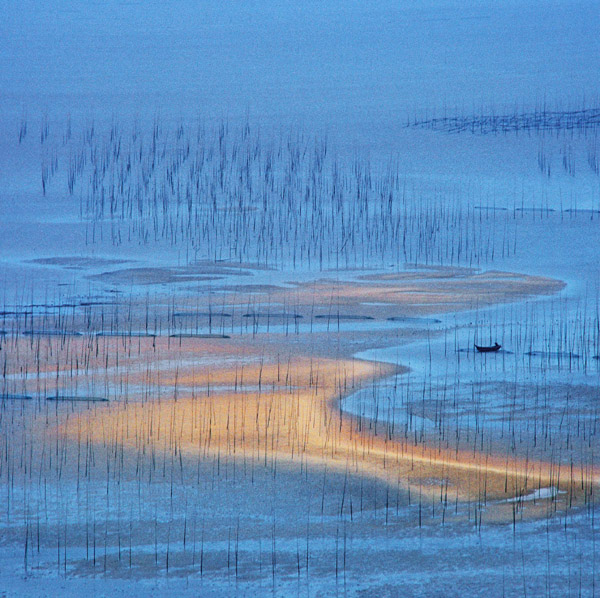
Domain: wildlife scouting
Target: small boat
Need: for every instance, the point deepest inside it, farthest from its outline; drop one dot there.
(492, 349)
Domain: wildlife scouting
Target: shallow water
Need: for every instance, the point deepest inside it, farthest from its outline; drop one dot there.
(355, 73)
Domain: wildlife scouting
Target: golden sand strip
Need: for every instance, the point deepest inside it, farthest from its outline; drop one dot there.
(286, 404)
(297, 418)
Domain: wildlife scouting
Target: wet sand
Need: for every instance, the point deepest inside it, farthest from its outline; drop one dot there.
(277, 397)
(231, 461)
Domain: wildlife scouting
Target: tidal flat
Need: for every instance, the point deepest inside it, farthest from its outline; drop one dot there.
(248, 251)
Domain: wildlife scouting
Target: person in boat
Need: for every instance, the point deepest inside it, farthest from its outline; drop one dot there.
(491, 349)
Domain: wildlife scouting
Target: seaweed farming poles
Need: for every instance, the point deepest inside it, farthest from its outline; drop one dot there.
(228, 192)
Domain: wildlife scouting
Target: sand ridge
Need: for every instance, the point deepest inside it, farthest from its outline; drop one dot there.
(270, 398)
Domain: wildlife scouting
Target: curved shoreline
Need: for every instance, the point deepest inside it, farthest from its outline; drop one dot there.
(300, 419)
